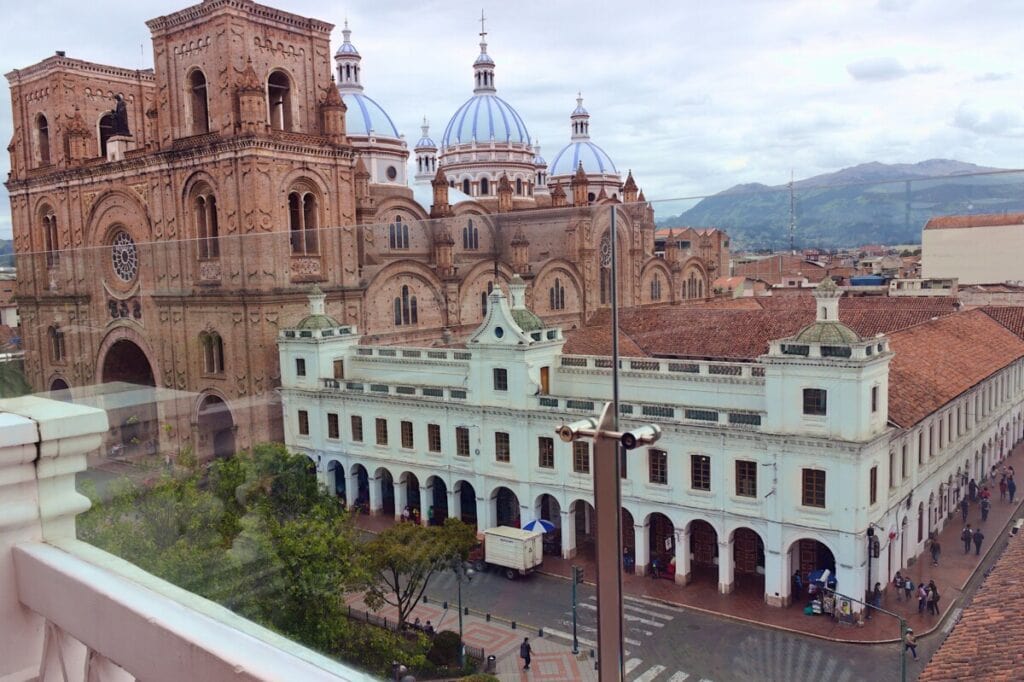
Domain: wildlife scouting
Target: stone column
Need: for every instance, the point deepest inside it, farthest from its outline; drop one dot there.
(43, 444)
(401, 497)
(641, 540)
(426, 503)
(682, 548)
(376, 498)
(454, 504)
(777, 582)
(568, 534)
(324, 477)
(351, 488)
(486, 512)
(726, 566)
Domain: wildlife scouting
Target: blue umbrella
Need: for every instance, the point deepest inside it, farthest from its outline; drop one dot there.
(541, 525)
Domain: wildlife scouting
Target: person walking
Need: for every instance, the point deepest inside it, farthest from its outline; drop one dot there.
(1002, 489)
(985, 493)
(966, 535)
(908, 587)
(1011, 488)
(964, 506)
(985, 506)
(922, 598)
(910, 643)
(525, 650)
(972, 489)
(936, 551)
(897, 582)
(876, 596)
(933, 598)
(798, 586)
(978, 537)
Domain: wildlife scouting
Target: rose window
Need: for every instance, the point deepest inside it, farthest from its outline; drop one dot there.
(124, 256)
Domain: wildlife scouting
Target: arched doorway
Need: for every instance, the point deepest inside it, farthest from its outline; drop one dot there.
(920, 522)
(135, 428)
(661, 534)
(412, 494)
(387, 492)
(748, 559)
(216, 429)
(506, 507)
(336, 479)
(438, 496)
(628, 541)
(362, 476)
(704, 551)
(586, 526)
(59, 390)
(808, 556)
(467, 502)
(548, 509)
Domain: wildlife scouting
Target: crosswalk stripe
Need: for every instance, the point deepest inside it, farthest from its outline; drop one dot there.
(679, 677)
(630, 618)
(631, 665)
(568, 636)
(650, 674)
(647, 612)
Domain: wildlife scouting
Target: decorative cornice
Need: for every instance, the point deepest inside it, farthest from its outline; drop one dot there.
(210, 7)
(57, 62)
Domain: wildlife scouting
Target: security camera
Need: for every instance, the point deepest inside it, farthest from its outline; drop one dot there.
(569, 432)
(645, 435)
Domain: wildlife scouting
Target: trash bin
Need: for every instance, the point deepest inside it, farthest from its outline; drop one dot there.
(492, 664)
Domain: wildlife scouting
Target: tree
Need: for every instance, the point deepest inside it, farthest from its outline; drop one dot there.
(403, 559)
(12, 379)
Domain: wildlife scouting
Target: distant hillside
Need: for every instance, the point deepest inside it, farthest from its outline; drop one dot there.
(6, 253)
(866, 204)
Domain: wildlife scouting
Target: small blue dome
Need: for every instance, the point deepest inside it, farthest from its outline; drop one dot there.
(426, 143)
(482, 117)
(364, 115)
(593, 157)
(538, 160)
(347, 48)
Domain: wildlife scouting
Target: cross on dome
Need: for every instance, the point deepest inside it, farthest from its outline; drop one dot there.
(483, 67)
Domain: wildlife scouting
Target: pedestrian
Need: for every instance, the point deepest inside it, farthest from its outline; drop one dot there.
(1002, 489)
(429, 629)
(978, 537)
(405, 514)
(524, 652)
(910, 643)
(972, 489)
(964, 506)
(985, 506)
(897, 582)
(430, 515)
(876, 596)
(798, 585)
(985, 494)
(1011, 487)
(936, 551)
(908, 587)
(933, 598)
(922, 598)
(966, 535)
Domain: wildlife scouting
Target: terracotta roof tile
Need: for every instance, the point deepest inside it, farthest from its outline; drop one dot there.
(985, 644)
(947, 222)
(1011, 317)
(937, 361)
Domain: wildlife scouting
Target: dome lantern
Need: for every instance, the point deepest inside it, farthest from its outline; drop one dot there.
(483, 67)
(347, 58)
(580, 118)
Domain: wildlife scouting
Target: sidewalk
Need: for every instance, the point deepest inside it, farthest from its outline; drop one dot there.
(552, 660)
(746, 602)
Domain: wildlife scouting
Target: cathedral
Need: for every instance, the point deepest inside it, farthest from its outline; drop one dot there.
(170, 221)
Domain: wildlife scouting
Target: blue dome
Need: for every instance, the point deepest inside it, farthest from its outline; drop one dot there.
(426, 143)
(593, 157)
(364, 115)
(482, 117)
(347, 48)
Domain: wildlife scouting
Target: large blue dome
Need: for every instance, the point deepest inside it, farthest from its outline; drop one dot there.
(594, 159)
(485, 116)
(364, 115)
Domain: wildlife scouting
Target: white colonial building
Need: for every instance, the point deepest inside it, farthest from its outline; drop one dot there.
(777, 464)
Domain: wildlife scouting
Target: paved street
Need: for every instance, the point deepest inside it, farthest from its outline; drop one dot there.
(668, 644)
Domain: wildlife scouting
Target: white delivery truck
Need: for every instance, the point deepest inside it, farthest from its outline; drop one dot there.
(512, 550)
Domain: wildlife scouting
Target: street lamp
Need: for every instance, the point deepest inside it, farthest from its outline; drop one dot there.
(462, 572)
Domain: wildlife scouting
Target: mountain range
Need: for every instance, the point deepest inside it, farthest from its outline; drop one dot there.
(871, 203)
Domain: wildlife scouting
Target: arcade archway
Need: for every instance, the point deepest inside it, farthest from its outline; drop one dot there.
(216, 429)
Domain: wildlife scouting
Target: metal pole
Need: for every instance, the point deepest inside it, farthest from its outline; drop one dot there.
(608, 555)
(575, 642)
(902, 649)
(462, 645)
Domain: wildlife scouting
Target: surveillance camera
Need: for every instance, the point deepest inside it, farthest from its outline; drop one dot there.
(645, 435)
(569, 432)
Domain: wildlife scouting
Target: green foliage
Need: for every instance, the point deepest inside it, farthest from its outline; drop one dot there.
(479, 677)
(403, 558)
(445, 649)
(375, 648)
(12, 380)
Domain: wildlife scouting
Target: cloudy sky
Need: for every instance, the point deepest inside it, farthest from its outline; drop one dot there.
(694, 96)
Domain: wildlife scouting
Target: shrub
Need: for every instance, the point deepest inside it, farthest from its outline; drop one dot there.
(445, 650)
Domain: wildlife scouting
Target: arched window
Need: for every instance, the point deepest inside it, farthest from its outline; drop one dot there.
(207, 231)
(50, 243)
(279, 98)
(56, 344)
(519, 186)
(200, 103)
(398, 234)
(106, 132)
(43, 139)
(656, 288)
(556, 296)
(405, 308)
(591, 196)
(483, 298)
(465, 186)
(485, 187)
(470, 237)
(213, 352)
(303, 223)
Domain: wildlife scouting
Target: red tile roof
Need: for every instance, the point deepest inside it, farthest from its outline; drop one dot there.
(1011, 317)
(986, 643)
(936, 361)
(948, 222)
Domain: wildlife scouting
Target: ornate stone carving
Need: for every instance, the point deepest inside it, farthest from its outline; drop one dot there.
(209, 270)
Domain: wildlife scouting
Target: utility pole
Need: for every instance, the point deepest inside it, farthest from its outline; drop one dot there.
(792, 214)
(577, 578)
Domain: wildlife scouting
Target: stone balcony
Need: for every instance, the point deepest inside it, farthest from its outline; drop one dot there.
(72, 612)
